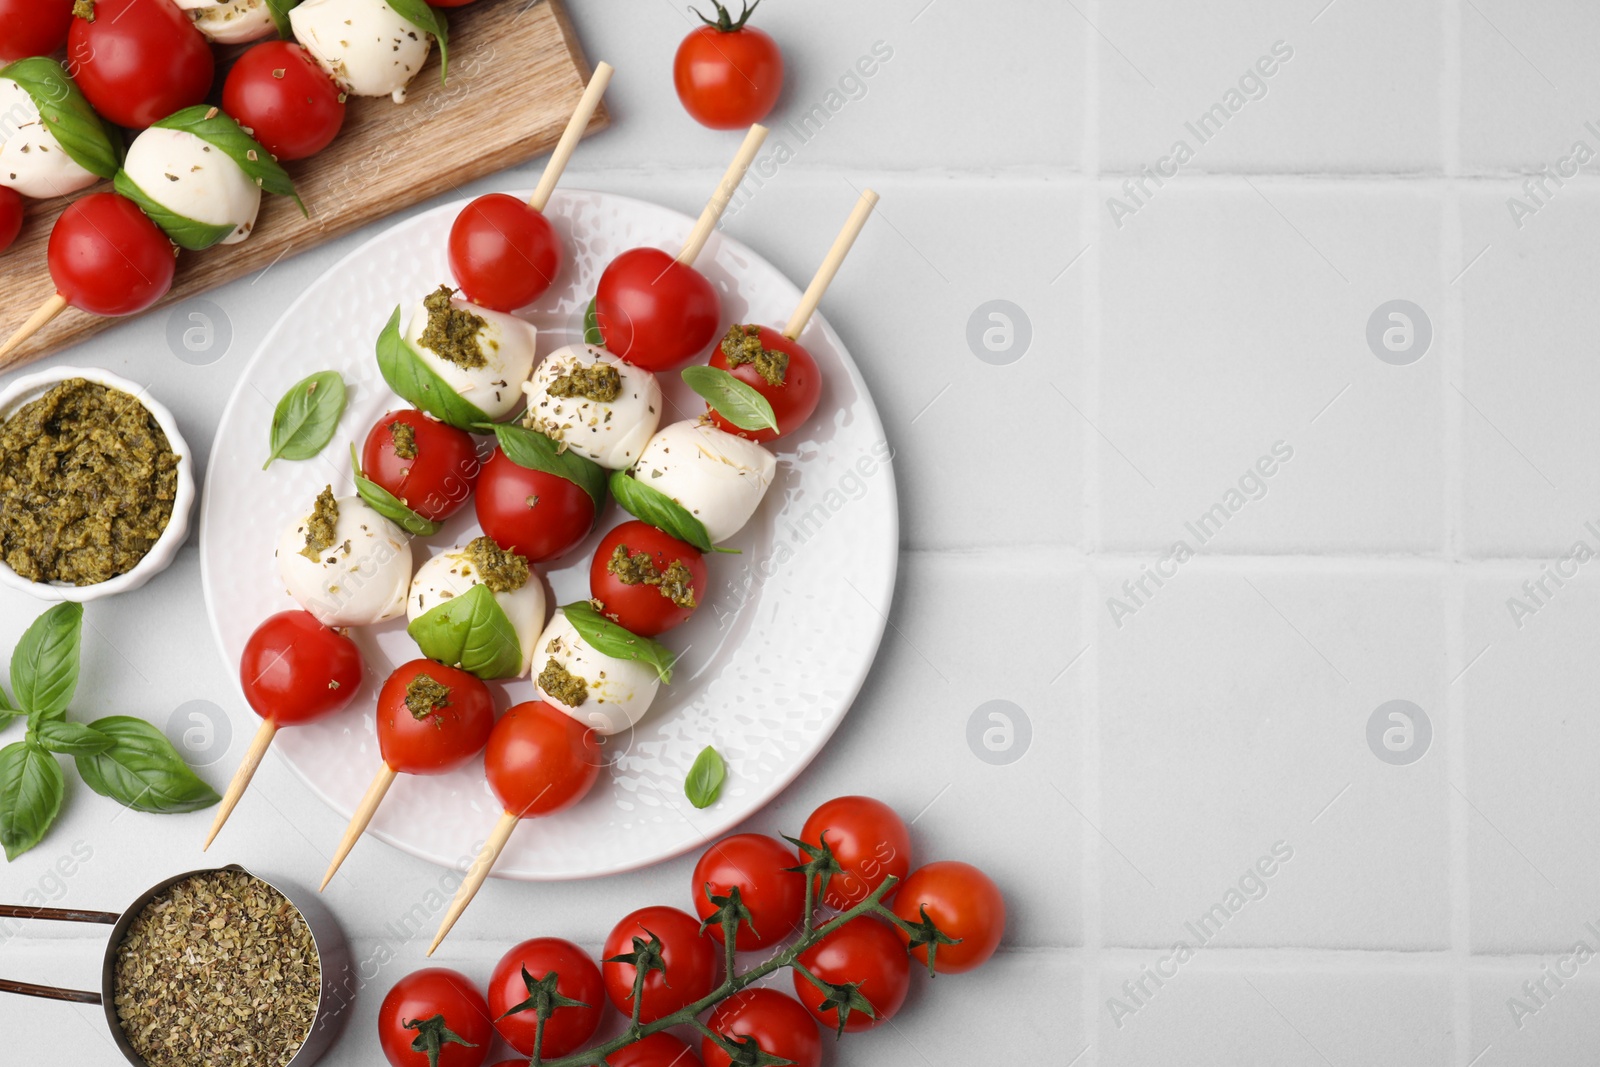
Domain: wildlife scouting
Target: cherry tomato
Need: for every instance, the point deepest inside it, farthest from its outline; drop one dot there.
(568, 1029)
(503, 253)
(138, 61)
(437, 480)
(294, 669)
(540, 760)
(868, 839)
(33, 27)
(779, 1024)
(757, 864)
(655, 312)
(964, 903)
(657, 1050)
(440, 1005)
(11, 212)
(640, 607)
(277, 90)
(793, 397)
(106, 258)
(439, 740)
(539, 516)
(692, 960)
(728, 74)
(866, 951)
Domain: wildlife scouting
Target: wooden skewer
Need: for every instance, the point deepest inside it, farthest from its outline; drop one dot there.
(41, 318)
(830, 265)
(358, 822)
(571, 136)
(724, 194)
(475, 875)
(241, 778)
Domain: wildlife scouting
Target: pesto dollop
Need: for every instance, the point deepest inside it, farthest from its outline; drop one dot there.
(676, 582)
(404, 436)
(743, 345)
(599, 382)
(425, 696)
(563, 685)
(322, 525)
(452, 332)
(501, 571)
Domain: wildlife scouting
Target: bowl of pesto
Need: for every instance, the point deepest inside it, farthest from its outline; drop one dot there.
(95, 485)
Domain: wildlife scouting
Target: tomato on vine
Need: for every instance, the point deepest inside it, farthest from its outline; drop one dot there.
(522, 977)
(965, 905)
(681, 964)
(657, 1050)
(775, 1022)
(728, 73)
(868, 840)
(435, 1018)
(865, 953)
(773, 892)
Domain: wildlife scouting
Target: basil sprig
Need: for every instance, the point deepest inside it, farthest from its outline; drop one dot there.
(68, 115)
(417, 383)
(220, 131)
(181, 230)
(425, 18)
(734, 400)
(533, 451)
(472, 632)
(279, 9)
(651, 505)
(610, 639)
(704, 784)
(307, 416)
(388, 505)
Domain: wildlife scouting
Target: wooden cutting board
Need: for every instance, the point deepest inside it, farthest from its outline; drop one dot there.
(516, 74)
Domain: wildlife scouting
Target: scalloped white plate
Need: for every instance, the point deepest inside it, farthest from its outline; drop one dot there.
(771, 663)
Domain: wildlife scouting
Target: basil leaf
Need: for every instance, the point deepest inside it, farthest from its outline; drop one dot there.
(306, 417)
(659, 510)
(222, 132)
(471, 632)
(388, 505)
(423, 17)
(734, 400)
(31, 790)
(418, 385)
(71, 738)
(609, 639)
(8, 710)
(279, 10)
(533, 451)
(141, 770)
(44, 665)
(67, 114)
(591, 327)
(180, 229)
(704, 784)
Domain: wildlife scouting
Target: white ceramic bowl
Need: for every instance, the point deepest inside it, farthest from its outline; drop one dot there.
(32, 386)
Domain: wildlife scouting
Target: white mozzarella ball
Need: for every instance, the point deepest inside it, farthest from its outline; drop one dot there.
(619, 691)
(361, 579)
(232, 21)
(717, 477)
(191, 177)
(31, 159)
(452, 574)
(364, 46)
(612, 433)
(507, 345)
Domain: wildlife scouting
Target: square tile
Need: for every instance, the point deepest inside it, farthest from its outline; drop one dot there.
(1517, 1022)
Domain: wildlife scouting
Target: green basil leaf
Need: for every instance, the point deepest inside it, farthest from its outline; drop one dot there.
(610, 639)
(280, 16)
(44, 665)
(68, 115)
(423, 17)
(32, 787)
(223, 133)
(533, 451)
(141, 770)
(659, 510)
(306, 417)
(71, 738)
(734, 400)
(8, 710)
(704, 784)
(471, 632)
(417, 384)
(180, 229)
(591, 327)
(388, 505)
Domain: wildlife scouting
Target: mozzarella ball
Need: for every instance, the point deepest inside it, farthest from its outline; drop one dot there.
(31, 159)
(617, 692)
(191, 177)
(717, 477)
(505, 344)
(363, 45)
(359, 580)
(231, 21)
(452, 574)
(610, 432)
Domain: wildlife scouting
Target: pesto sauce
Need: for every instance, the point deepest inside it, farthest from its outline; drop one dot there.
(562, 685)
(743, 345)
(600, 382)
(404, 436)
(321, 526)
(424, 697)
(501, 571)
(452, 332)
(676, 583)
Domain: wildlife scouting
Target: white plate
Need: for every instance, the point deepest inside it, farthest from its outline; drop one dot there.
(771, 662)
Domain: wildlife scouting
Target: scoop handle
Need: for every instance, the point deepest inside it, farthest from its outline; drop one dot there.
(68, 915)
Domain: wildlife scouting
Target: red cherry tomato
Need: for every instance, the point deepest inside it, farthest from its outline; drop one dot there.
(11, 211)
(655, 312)
(538, 516)
(868, 839)
(640, 607)
(139, 60)
(657, 1050)
(728, 74)
(568, 1029)
(964, 903)
(294, 669)
(692, 960)
(540, 760)
(439, 740)
(793, 399)
(758, 865)
(437, 481)
(503, 253)
(427, 1002)
(33, 27)
(865, 951)
(106, 258)
(277, 90)
(779, 1024)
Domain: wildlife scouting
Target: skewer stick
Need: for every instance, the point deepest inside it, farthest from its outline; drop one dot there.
(358, 822)
(724, 194)
(475, 875)
(241, 778)
(830, 265)
(571, 136)
(41, 318)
